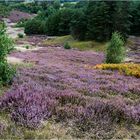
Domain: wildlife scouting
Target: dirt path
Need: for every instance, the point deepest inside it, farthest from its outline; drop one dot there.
(21, 47)
(11, 30)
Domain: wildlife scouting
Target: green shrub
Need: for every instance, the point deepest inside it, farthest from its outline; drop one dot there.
(20, 35)
(67, 46)
(35, 26)
(27, 46)
(115, 50)
(6, 44)
(6, 72)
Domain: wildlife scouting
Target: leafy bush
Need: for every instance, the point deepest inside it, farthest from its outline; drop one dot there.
(20, 35)
(115, 50)
(67, 46)
(35, 26)
(6, 44)
(27, 46)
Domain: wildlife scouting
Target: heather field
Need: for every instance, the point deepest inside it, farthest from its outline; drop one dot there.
(63, 88)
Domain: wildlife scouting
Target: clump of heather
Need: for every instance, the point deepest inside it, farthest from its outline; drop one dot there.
(28, 107)
(30, 103)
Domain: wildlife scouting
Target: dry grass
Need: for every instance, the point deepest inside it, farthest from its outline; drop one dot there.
(81, 45)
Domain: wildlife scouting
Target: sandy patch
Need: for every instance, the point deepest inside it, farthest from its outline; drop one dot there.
(14, 60)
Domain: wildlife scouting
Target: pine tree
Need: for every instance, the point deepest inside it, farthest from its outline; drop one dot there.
(135, 18)
(65, 19)
(106, 17)
(98, 21)
(78, 25)
(121, 20)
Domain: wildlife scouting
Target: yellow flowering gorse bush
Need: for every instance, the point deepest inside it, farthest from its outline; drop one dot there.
(129, 69)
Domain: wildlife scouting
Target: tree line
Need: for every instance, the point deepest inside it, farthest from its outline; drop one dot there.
(87, 20)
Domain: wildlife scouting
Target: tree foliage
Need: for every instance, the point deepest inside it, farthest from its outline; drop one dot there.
(35, 26)
(6, 71)
(91, 20)
(135, 18)
(78, 25)
(59, 22)
(98, 21)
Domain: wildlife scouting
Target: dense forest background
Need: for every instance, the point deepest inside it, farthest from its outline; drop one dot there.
(84, 20)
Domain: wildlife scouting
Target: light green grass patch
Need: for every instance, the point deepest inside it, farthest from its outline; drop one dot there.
(23, 65)
(81, 45)
(3, 89)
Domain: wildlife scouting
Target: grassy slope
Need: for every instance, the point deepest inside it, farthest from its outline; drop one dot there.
(81, 45)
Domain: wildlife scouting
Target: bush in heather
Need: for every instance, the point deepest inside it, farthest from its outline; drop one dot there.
(6, 45)
(20, 35)
(115, 50)
(67, 46)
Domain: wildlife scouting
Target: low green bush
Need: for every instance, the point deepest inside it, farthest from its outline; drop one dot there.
(27, 46)
(67, 46)
(20, 35)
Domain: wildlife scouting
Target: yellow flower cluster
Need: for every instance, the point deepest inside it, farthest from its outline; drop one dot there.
(126, 68)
